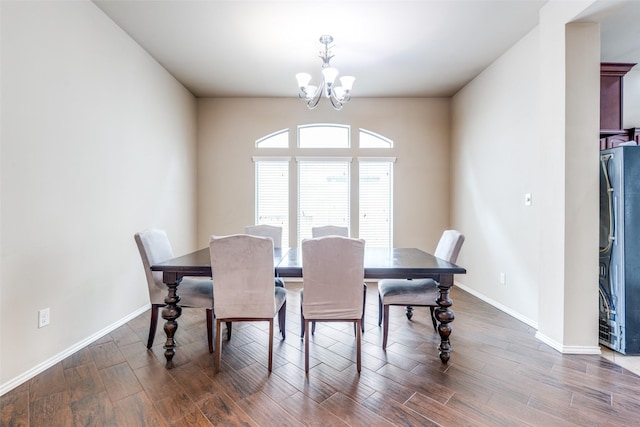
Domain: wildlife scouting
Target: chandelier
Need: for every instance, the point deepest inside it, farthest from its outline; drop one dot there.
(338, 95)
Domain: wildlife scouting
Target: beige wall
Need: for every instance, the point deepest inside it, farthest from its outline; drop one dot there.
(495, 162)
(98, 142)
(528, 123)
(228, 129)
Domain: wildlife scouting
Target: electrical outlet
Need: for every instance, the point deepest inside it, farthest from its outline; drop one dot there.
(44, 317)
(503, 279)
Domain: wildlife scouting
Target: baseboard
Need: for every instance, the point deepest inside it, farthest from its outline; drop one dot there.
(568, 349)
(20, 379)
(564, 349)
(499, 306)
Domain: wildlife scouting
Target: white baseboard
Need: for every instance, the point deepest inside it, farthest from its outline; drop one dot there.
(568, 349)
(15, 382)
(499, 306)
(564, 349)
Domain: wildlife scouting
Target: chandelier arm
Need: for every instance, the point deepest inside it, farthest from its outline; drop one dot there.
(335, 102)
(315, 99)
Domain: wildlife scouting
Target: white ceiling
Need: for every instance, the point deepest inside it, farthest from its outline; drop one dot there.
(423, 48)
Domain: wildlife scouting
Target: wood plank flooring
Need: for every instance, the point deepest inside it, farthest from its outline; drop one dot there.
(498, 375)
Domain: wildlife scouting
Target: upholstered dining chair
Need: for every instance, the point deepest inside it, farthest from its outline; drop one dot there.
(332, 278)
(242, 269)
(265, 230)
(329, 230)
(416, 292)
(155, 247)
(334, 230)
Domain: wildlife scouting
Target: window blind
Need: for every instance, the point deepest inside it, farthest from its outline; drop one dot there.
(323, 195)
(272, 195)
(376, 201)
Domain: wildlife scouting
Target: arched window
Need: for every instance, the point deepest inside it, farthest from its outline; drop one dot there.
(325, 185)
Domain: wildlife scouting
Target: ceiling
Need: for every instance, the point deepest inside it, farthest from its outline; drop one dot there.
(428, 48)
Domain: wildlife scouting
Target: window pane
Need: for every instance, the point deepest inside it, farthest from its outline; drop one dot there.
(323, 136)
(375, 202)
(272, 195)
(323, 195)
(370, 139)
(278, 139)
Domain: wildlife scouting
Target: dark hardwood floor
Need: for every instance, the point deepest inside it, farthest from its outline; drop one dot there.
(499, 375)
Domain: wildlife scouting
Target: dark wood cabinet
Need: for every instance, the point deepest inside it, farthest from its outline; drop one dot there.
(611, 105)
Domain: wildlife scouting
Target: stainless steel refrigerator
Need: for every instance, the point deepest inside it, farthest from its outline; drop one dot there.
(620, 249)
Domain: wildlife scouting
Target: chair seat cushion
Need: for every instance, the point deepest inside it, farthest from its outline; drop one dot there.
(408, 292)
(194, 292)
(281, 297)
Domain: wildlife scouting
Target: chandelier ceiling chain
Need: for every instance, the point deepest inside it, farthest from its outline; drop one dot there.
(338, 95)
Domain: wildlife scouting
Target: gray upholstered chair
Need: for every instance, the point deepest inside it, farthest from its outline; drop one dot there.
(332, 278)
(154, 247)
(416, 292)
(329, 230)
(275, 233)
(242, 269)
(264, 230)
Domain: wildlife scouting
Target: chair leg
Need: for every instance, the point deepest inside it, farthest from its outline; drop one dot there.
(313, 327)
(306, 349)
(210, 329)
(302, 324)
(385, 327)
(379, 309)
(228, 331)
(364, 306)
(282, 319)
(433, 318)
(216, 356)
(154, 323)
(358, 346)
(270, 343)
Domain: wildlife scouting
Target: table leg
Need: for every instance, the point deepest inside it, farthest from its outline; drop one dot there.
(445, 316)
(170, 313)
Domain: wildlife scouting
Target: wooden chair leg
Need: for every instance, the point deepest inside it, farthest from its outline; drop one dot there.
(302, 324)
(306, 349)
(282, 319)
(379, 310)
(228, 331)
(210, 329)
(358, 346)
(270, 344)
(216, 356)
(433, 318)
(364, 306)
(153, 324)
(385, 327)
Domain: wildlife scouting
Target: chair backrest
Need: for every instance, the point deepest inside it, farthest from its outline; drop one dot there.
(154, 247)
(332, 277)
(243, 273)
(449, 245)
(264, 230)
(329, 230)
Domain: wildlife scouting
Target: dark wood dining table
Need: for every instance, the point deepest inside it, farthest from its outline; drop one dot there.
(379, 263)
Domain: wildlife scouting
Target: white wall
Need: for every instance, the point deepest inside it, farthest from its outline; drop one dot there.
(495, 162)
(419, 127)
(98, 142)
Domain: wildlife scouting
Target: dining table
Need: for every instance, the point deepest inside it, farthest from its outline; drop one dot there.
(379, 263)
